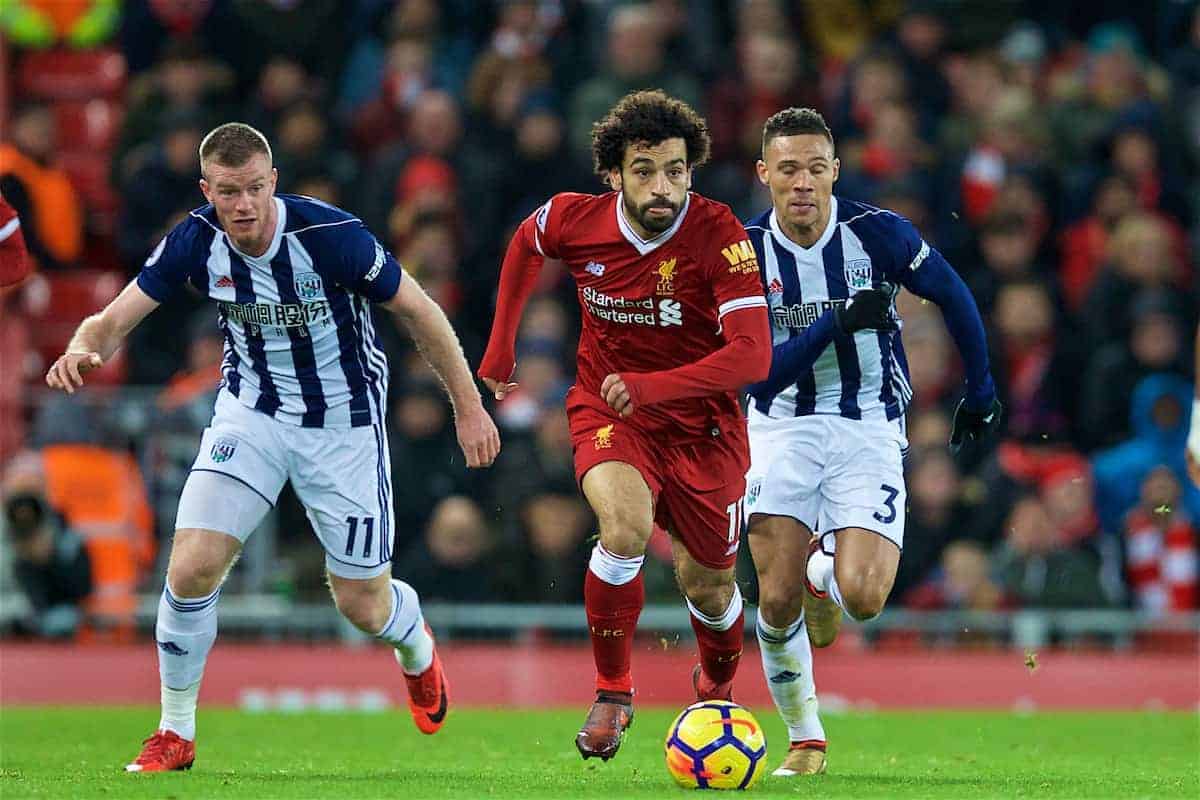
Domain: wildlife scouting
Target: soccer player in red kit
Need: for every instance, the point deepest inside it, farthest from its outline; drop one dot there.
(674, 323)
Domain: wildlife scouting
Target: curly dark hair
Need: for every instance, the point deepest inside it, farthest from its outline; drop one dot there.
(653, 116)
(794, 122)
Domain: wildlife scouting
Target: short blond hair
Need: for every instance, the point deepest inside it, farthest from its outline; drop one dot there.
(232, 145)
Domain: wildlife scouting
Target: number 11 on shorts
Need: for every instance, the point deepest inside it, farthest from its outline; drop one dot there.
(368, 534)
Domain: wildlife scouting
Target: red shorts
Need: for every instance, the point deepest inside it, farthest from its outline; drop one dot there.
(697, 487)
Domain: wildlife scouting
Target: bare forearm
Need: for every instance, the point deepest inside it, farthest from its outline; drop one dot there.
(97, 334)
(439, 345)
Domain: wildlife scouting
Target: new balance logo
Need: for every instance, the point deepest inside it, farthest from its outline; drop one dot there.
(172, 649)
(787, 676)
(595, 268)
(224, 282)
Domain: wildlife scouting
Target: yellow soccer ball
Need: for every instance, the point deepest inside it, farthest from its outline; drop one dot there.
(716, 744)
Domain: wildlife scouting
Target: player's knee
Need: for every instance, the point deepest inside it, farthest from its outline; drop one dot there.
(625, 532)
(777, 608)
(195, 574)
(710, 599)
(863, 592)
(364, 608)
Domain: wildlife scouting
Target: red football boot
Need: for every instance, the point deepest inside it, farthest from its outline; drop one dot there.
(162, 752)
(429, 694)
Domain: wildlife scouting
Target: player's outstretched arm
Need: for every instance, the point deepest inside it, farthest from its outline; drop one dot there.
(870, 309)
(477, 434)
(518, 275)
(98, 337)
(744, 358)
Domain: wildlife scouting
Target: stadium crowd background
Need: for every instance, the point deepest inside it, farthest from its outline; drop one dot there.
(1049, 150)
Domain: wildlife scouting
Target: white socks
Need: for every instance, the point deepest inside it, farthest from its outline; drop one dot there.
(185, 632)
(613, 569)
(405, 630)
(788, 666)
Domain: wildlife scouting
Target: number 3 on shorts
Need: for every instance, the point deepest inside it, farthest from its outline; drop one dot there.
(890, 503)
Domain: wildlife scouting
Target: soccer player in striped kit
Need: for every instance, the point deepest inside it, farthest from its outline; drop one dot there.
(302, 398)
(825, 496)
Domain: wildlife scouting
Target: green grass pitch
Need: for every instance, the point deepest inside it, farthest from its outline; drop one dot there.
(78, 753)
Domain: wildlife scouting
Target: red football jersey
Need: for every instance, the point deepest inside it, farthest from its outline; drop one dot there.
(651, 305)
(15, 264)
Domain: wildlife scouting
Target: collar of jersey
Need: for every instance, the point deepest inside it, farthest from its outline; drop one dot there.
(649, 245)
(818, 245)
(276, 238)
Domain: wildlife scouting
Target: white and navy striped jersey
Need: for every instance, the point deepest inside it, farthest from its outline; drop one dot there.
(300, 344)
(860, 376)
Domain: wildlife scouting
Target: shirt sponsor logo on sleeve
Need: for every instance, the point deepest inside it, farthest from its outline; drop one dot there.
(921, 255)
(741, 257)
(377, 266)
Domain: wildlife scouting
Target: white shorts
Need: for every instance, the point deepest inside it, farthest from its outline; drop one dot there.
(829, 473)
(343, 477)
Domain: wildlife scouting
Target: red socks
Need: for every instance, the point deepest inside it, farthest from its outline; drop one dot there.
(720, 651)
(612, 613)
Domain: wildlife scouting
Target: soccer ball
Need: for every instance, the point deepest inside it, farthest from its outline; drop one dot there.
(715, 744)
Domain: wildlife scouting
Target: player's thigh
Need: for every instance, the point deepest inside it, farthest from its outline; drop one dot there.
(865, 565)
(623, 504)
(863, 486)
(779, 548)
(787, 459)
(234, 481)
(701, 505)
(343, 477)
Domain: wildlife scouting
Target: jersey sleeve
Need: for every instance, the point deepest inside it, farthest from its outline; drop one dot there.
(733, 263)
(544, 227)
(925, 272)
(365, 266)
(178, 256)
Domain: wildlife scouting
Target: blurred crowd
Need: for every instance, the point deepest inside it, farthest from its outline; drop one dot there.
(1051, 155)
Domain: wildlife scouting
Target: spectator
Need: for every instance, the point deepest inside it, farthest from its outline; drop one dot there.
(427, 466)
(936, 514)
(185, 81)
(1159, 416)
(1160, 547)
(48, 205)
(1158, 343)
(1141, 255)
(1032, 363)
(962, 582)
(450, 562)
(1039, 569)
(51, 564)
(1085, 243)
(162, 188)
(555, 529)
(636, 59)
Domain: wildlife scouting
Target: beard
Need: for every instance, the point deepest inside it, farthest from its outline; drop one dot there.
(653, 224)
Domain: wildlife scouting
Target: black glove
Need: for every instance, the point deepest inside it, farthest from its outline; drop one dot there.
(973, 426)
(870, 308)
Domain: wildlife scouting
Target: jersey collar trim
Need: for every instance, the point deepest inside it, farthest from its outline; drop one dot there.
(276, 238)
(645, 246)
(819, 245)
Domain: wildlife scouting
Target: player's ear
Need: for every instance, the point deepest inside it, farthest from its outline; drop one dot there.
(614, 179)
(274, 178)
(761, 168)
(837, 168)
(204, 190)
